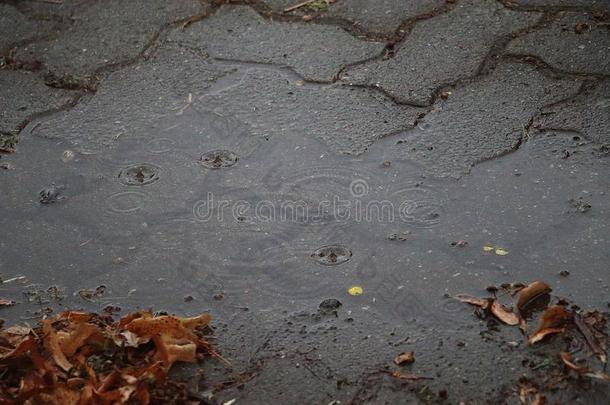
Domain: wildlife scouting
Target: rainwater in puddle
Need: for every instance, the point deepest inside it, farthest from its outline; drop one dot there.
(196, 206)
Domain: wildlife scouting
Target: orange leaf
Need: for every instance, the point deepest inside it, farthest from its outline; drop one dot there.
(552, 321)
(504, 314)
(52, 345)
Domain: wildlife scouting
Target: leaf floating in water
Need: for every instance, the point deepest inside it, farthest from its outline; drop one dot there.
(501, 252)
(355, 290)
(488, 248)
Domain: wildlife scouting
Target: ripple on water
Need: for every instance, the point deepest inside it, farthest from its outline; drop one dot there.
(139, 174)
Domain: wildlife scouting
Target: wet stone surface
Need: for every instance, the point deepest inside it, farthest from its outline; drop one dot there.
(331, 245)
(100, 35)
(23, 95)
(574, 42)
(16, 27)
(463, 38)
(242, 35)
(371, 16)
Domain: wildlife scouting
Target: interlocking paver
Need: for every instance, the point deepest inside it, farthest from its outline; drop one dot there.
(375, 16)
(575, 42)
(560, 4)
(103, 34)
(24, 94)
(588, 113)
(130, 98)
(484, 119)
(441, 50)
(17, 27)
(317, 52)
(347, 119)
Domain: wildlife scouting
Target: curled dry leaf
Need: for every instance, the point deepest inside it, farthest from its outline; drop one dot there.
(585, 371)
(404, 358)
(528, 294)
(498, 310)
(553, 320)
(6, 303)
(477, 302)
(504, 314)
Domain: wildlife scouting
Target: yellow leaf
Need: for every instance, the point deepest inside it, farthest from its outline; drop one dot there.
(355, 290)
(501, 252)
(488, 248)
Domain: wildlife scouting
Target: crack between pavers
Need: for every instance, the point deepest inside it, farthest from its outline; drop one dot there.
(543, 9)
(551, 71)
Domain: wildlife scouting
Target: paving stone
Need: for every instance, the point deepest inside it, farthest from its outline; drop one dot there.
(23, 94)
(484, 119)
(347, 119)
(130, 98)
(590, 4)
(442, 50)
(588, 113)
(317, 52)
(103, 34)
(61, 9)
(16, 27)
(375, 16)
(563, 48)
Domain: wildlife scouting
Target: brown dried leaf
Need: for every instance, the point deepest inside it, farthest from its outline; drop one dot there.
(531, 292)
(504, 314)
(6, 303)
(404, 358)
(590, 338)
(587, 372)
(408, 376)
(552, 321)
(477, 302)
(51, 343)
(77, 335)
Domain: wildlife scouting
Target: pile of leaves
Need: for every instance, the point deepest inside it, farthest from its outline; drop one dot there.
(585, 332)
(84, 358)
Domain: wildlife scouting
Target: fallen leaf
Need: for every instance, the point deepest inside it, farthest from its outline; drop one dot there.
(468, 299)
(404, 358)
(355, 290)
(6, 303)
(488, 248)
(528, 294)
(552, 321)
(504, 314)
(591, 340)
(501, 252)
(408, 376)
(585, 371)
(51, 343)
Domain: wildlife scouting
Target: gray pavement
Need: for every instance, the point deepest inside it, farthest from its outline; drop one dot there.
(481, 121)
